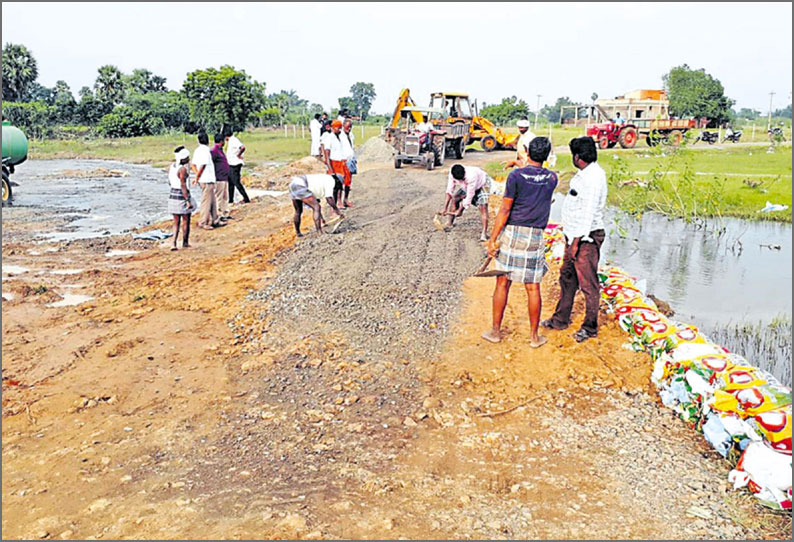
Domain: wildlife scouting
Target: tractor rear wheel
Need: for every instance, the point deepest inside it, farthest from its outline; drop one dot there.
(628, 138)
(674, 138)
(6, 189)
(603, 142)
(488, 143)
(439, 151)
(398, 163)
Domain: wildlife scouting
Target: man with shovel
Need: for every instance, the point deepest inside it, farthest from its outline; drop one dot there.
(466, 186)
(311, 190)
(520, 253)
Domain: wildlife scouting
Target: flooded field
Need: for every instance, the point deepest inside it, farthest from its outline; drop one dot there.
(736, 287)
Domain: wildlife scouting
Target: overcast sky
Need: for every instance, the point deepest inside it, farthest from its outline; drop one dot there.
(489, 50)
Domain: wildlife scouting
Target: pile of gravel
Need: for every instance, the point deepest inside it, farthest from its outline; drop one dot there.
(375, 149)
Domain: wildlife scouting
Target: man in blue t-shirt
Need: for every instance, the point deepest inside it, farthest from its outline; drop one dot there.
(520, 252)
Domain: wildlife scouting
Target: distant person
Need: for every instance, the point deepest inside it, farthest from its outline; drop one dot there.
(325, 124)
(583, 226)
(522, 145)
(234, 156)
(315, 130)
(335, 162)
(521, 250)
(311, 190)
(221, 166)
(180, 203)
(349, 145)
(619, 120)
(204, 170)
(343, 115)
(466, 186)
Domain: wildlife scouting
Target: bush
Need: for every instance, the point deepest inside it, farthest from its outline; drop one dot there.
(171, 107)
(125, 121)
(36, 119)
(268, 117)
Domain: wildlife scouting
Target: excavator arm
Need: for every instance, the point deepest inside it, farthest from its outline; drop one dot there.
(404, 101)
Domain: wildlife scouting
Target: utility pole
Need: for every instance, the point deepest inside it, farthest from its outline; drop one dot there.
(537, 108)
(769, 117)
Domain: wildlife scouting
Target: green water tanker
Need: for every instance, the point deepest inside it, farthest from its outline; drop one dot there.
(15, 151)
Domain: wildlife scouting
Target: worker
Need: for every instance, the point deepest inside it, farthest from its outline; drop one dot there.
(466, 186)
(619, 120)
(426, 127)
(520, 252)
(310, 190)
(335, 161)
(349, 144)
(522, 145)
(315, 130)
(583, 226)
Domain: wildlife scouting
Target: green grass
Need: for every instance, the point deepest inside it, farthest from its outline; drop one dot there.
(261, 146)
(719, 191)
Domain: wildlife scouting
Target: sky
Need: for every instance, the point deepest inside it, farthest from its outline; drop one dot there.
(490, 50)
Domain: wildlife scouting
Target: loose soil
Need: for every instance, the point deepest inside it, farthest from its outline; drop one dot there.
(259, 386)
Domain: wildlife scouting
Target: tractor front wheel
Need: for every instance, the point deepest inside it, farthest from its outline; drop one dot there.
(439, 151)
(430, 161)
(488, 143)
(398, 163)
(6, 189)
(628, 138)
(459, 148)
(603, 142)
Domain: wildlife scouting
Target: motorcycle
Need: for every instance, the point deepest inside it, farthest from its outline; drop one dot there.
(776, 134)
(732, 136)
(709, 137)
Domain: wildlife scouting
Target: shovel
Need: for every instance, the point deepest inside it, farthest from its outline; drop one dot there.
(481, 272)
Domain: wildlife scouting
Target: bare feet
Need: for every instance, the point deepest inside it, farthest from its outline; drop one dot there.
(492, 336)
(186, 245)
(206, 227)
(537, 343)
(483, 238)
(173, 248)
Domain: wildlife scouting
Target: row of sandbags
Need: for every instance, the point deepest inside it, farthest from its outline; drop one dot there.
(742, 411)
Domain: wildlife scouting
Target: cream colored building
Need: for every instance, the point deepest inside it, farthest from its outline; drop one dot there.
(635, 105)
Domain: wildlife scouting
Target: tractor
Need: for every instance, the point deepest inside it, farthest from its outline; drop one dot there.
(414, 142)
(15, 151)
(456, 122)
(609, 134)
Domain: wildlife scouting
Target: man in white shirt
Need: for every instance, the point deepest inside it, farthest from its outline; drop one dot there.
(466, 186)
(522, 145)
(349, 143)
(334, 157)
(311, 190)
(204, 170)
(315, 129)
(583, 226)
(234, 155)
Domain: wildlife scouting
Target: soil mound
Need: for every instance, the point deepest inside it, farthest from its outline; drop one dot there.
(375, 149)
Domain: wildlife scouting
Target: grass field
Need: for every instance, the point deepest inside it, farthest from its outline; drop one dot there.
(261, 146)
(714, 185)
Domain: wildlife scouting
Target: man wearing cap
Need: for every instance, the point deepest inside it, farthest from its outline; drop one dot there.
(522, 146)
(335, 160)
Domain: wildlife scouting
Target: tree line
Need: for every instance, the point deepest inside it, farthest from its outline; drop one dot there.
(139, 103)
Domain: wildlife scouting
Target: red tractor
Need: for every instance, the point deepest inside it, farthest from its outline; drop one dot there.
(608, 134)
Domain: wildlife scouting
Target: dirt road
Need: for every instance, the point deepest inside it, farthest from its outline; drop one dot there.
(258, 387)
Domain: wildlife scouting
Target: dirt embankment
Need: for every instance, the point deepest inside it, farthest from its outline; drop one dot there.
(251, 387)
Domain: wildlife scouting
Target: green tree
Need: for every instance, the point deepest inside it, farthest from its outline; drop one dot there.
(362, 96)
(172, 107)
(315, 108)
(279, 102)
(109, 85)
(65, 104)
(552, 112)
(783, 113)
(749, 114)
(142, 81)
(39, 93)
(347, 102)
(508, 110)
(695, 93)
(90, 110)
(36, 119)
(223, 96)
(19, 72)
(126, 121)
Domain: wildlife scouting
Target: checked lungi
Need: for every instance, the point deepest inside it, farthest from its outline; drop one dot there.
(522, 254)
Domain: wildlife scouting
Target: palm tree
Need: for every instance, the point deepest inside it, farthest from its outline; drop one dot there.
(109, 85)
(19, 72)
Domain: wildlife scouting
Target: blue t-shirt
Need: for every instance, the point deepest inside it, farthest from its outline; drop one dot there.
(531, 189)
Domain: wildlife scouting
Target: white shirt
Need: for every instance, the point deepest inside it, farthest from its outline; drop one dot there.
(523, 145)
(202, 157)
(232, 150)
(424, 126)
(321, 185)
(314, 128)
(331, 142)
(584, 212)
(348, 145)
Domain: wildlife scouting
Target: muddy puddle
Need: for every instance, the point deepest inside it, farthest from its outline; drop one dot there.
(80, 199)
